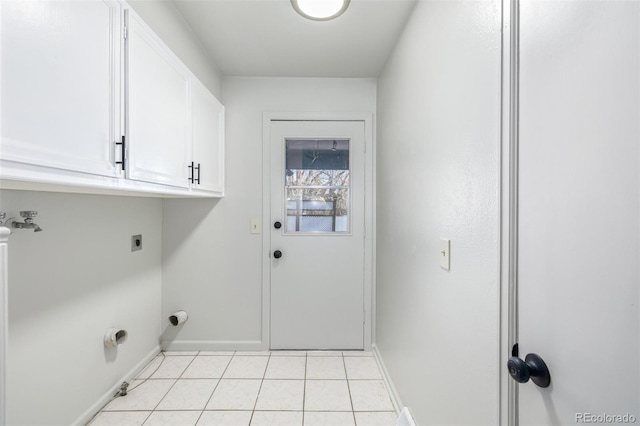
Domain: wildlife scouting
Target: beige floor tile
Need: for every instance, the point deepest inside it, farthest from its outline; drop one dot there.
(246, 367)
(281, 395)
(225, 418)
(234, 394)
(188, 394)
(376, 419)
(324, 418)
(276, 418)
(362, 368)
(173, 418)
(207, 367)
(286, 367)
(369, 395)
(327, 395)
(120, 418)
(325, 367)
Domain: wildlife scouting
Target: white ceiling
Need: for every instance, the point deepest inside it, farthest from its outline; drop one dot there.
(268, 38)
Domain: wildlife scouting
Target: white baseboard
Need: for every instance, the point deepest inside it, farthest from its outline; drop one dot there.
(395, 398)
(405, 418)
(213, 345)
(104, 400)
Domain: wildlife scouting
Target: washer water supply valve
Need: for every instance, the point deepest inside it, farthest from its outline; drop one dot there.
(28, 223)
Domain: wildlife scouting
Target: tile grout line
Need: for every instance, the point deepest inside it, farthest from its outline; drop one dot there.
(171, 387)
(304, 386)
(259, 389)
(216, 386)
(346, 375)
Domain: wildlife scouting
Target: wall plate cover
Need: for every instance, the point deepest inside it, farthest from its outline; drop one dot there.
(445, 248)
(136, 242)
(255, 226)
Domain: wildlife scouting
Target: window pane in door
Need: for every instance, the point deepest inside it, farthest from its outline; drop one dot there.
(317, 186)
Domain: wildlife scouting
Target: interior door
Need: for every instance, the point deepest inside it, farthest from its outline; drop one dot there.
(317, 235)
(579, 214)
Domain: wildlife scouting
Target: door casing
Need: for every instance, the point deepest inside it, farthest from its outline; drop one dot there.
(508, 414)
(369, 209)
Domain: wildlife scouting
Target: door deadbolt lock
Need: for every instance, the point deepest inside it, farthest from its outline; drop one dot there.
(277, 225)
(277, 254)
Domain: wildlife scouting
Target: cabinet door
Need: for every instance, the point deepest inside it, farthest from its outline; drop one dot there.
(208, 139)
(61, 84)
(158, 109)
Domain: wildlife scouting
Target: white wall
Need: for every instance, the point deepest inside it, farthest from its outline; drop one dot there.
(212, 265)
(438, 138)
(67, 285)
(165, 19)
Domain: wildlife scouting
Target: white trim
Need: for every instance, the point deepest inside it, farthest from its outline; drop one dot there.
(108, 395)
(212, 345)
(393, 393)
(369, 206)
(508, 411)
(4, 319)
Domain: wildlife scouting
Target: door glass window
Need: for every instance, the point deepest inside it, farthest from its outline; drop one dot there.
(317, 184)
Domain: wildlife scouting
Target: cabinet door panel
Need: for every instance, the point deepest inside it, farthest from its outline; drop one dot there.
(208, 138)
(61, 84)
(158, 110)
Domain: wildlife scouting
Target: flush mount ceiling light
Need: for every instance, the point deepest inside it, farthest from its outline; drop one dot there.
(320, 10)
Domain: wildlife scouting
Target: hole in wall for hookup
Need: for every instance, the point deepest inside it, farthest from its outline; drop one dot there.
(176, 322)
(113, 338)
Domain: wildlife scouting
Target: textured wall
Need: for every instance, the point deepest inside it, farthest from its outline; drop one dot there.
(212, 264)
(437, 176)
(67, 285)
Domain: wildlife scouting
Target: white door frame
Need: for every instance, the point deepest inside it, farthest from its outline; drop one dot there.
(369, 209)
(508, 412)
(4, 319)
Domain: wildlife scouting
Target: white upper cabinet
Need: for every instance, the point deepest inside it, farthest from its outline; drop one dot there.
(61, 84)
(93, 100)
(158, 124)
(207, 118)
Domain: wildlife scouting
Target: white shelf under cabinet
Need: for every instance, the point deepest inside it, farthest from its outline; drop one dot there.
(35, 178)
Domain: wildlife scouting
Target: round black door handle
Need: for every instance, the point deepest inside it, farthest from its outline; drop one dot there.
(532, 367)
(277, 225)
(277, 254)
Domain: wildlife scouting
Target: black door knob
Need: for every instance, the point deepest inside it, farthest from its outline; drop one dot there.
(277, 254)
(532, 367)
(277, 225)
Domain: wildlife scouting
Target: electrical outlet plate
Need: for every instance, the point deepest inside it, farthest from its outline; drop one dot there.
(136, 242)
(255, 226)
(445, 249)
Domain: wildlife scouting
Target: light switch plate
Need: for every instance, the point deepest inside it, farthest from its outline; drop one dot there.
(255, 226)
(445, 249)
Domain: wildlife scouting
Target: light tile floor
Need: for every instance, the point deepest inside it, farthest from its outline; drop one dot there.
(277, 388)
